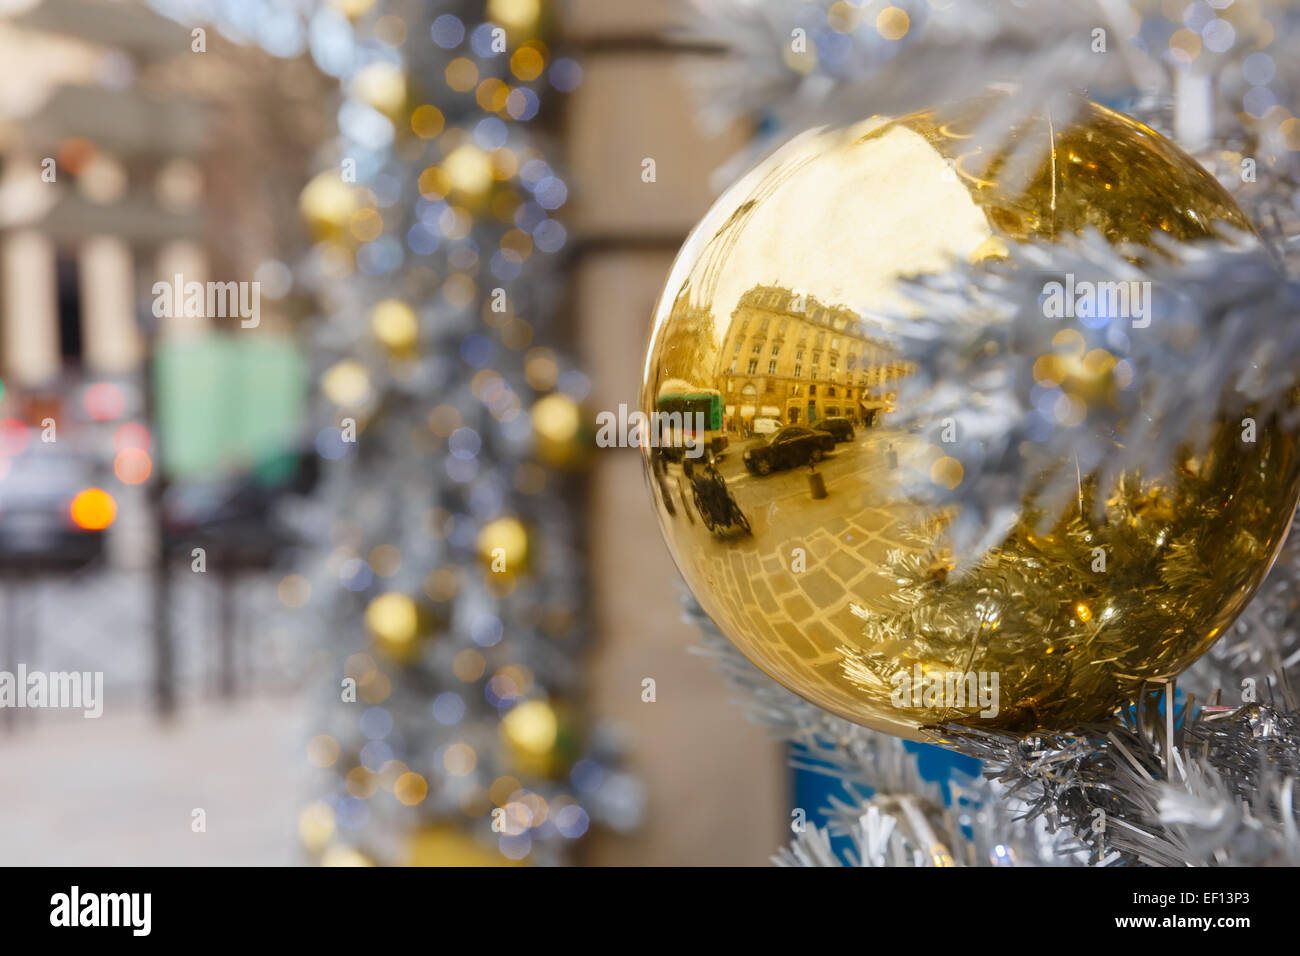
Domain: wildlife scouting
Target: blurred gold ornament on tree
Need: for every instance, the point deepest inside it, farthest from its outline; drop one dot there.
(557, 428)
(449, 845)
(393, 620)
(344, 856)
(469, 173)
(327, 205)
(515, 14)
(352, 8)
(383, 87)
(539, 738)
(503, 546)
(395, 325)
(346, 383)
(845, 592)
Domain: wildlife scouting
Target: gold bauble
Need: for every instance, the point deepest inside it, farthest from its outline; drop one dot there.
(393, 620)
(346, 383)
(449, 845)
(383, 87)
(843, 588)
(515, 14)
(503, 546)
(327, 204)
(560, 439)
(539, 738)
(469, 173)
(395, 325)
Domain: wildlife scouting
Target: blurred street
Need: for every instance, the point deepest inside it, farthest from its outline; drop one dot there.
(124, 794)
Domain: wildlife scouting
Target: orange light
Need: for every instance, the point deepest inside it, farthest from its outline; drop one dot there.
(132, 465)
(93, 509)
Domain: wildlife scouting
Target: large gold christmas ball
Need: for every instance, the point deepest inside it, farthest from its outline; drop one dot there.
(829, 579)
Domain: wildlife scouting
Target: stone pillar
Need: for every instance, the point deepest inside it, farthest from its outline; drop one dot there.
(31, 309)
(110, 332)
(188, 260)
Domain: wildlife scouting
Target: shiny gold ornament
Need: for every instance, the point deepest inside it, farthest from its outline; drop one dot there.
(395, 326)
(832, 583)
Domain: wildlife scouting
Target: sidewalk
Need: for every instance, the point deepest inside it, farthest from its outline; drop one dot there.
(120, 790)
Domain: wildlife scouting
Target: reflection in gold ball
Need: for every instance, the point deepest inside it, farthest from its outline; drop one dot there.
(395, 326)
(839, 588)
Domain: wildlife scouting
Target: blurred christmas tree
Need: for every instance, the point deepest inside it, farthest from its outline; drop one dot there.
(447, 583)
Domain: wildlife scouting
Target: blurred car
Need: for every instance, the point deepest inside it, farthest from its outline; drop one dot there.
(841, 428)
(790, 447)
(766, 426)
(36, 515)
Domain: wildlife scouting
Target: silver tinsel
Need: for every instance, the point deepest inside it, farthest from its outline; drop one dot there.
(895, 816)
(1216, 343)
(1108, 794)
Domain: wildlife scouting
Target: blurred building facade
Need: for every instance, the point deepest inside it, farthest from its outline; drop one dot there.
(135, 151)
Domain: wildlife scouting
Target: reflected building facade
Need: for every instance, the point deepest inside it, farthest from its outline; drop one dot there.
(789, 357)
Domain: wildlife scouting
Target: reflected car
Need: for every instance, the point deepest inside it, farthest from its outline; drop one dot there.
(790, 447)
(841, 428)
